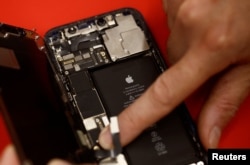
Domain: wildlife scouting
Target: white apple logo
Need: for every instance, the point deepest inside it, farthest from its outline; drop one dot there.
(129, 79)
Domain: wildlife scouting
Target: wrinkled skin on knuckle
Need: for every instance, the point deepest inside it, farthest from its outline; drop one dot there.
(161, 94)
(218, 42)
(182, 30)
(229, 33)
(130, 120)
(226, 44)
(226, 109)
(225, 32)
(220, 32)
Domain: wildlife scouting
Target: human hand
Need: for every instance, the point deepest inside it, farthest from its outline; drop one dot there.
(208, 38)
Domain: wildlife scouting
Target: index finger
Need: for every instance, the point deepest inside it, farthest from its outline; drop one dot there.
(169, 90)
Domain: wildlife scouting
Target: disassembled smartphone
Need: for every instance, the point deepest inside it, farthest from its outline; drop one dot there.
(101, 65)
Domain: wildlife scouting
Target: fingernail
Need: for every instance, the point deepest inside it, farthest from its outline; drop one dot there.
(214, 137)
(105, 139)
(58, 162)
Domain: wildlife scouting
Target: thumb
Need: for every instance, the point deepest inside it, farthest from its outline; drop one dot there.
(223, 102)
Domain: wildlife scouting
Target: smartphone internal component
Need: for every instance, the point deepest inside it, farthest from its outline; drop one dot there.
(125, 39)
(159, 142)
(122, 83)
(104, 64)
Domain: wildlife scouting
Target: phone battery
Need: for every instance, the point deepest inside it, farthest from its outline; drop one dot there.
(165, 142)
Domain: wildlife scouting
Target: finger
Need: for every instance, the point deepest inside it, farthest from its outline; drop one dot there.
(172, 87)
(9, 157)
(222, 104)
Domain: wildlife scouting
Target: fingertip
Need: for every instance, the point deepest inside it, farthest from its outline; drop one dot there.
(9, 156)
(210, 136)
(214, 137)
(209, 129)
(105, 138)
